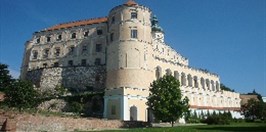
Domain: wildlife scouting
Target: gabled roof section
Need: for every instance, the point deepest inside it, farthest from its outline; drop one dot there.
(130, 3)
(77, 23)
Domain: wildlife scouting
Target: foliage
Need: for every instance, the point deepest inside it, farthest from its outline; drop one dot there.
(21, 94)
(76, 107)
(194, 118)
(60, 91)
(5, 77)
(254, 109)
(220, 119)
(255, 93)
(166, 101)
(225, 88)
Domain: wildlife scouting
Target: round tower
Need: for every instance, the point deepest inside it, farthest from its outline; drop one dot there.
(128, 74)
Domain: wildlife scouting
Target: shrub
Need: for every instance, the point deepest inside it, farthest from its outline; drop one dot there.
(221, 119)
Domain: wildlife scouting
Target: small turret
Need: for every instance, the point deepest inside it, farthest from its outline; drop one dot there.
(155, 24)
(157, 31)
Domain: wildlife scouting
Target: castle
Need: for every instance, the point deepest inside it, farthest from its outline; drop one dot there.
(120, 54)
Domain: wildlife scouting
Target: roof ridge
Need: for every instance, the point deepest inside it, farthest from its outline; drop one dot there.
(95, 18)
(77, 23)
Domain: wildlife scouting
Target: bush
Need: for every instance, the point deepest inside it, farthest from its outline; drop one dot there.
(221, 119)
(21, 94)
(76, 107)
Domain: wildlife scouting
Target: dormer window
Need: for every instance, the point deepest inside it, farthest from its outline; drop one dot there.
(86, 34)
(99, 32)
(73, 35)
(48, 39)
(38, 40)
(59, 37)
(134, 15)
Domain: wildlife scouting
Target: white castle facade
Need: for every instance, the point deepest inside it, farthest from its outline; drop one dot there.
(121, 54)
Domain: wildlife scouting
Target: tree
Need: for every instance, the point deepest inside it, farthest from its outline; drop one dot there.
(255, 93)
(5, 77)
(21, 94)
(166, 101)
(225, 88)
(253, 109)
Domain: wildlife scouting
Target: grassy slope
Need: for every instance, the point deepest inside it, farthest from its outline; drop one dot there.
(238, 127)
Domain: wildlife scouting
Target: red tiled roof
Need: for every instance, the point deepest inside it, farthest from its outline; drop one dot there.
(78, 23)
(130, 3)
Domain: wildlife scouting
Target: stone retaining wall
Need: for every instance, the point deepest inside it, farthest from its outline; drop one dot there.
(74, 78)
(42, 123)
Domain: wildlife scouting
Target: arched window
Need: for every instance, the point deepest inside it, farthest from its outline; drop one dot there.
(202, 82)
(212, 85)
(183, 79)
(217, 86)
(208, 84)
(176, 75)
(168, 72)
(158, 72)
(189, 78)
(133, 113)
(195, 79)
(73, 35)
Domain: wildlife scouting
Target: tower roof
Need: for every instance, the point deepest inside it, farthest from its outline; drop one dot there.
(130, 3)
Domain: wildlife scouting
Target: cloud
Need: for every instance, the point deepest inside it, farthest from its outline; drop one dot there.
(14, 73)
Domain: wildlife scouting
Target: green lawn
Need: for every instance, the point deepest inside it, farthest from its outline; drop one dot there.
(237, 127)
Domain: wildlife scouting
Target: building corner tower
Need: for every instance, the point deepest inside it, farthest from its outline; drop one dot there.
(128, 72)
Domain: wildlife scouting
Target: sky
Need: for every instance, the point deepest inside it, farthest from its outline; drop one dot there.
(227, 37)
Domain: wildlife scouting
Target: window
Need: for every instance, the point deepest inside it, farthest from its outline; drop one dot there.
(57, 52)
(86, 34)
(71, 50)
(112, 37)
(134, 33)
(56, 64)
(98, 47)
(83, 62)
(84, 48)
(59, 37)
(99, 32)
(35, 54)
(158, 72)
(134, 15)
(70, 63)
(113, 20)
(97, 61)
(168, 72)
(113, 112)
(46, 53)
(38, 40)
(44, 65)
(48, 39)
(73, 35)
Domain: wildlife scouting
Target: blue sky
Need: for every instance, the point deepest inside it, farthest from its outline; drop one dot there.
(227, 37)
